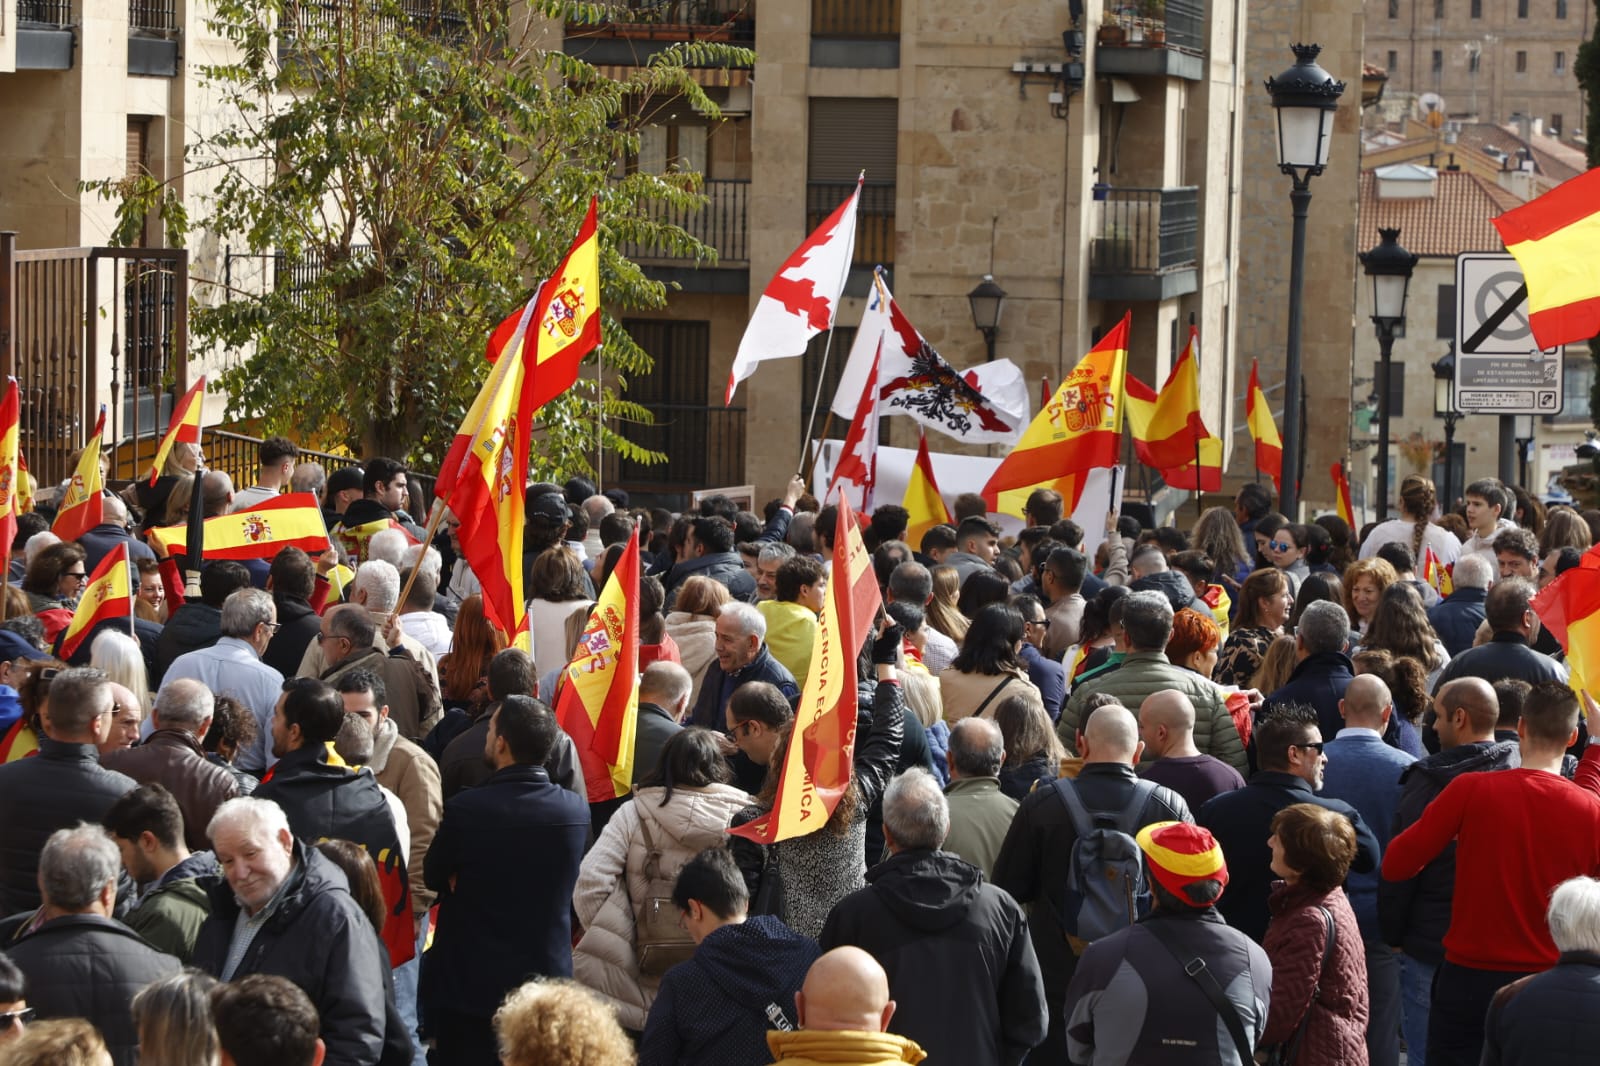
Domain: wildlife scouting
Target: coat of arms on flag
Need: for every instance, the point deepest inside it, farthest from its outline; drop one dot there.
(566, 308)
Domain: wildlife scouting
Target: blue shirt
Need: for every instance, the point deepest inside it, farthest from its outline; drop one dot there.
(231, 667)
(1365, 772)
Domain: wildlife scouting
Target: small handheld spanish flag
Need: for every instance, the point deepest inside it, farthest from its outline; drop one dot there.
(184, 427)
(1341, 492)
(108, 594)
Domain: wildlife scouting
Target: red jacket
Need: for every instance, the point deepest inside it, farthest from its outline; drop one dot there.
(1337, 1032)
(1518, 833)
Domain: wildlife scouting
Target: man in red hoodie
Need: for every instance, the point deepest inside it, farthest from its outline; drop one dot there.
(1519, 833)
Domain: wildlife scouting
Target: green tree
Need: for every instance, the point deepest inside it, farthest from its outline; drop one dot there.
(422, 166)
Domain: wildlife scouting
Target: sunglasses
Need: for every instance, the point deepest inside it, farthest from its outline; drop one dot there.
(1315, 746)
(1041, 622)
(1280, 546)
(12, 1017)
(79, 574)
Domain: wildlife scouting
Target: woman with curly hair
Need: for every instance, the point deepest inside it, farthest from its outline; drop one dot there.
(943, 614)
(55, 579)
(1265, 601)
(551, 1021)
(1408, 687)
(464, 669)
(233, 729)
(1400, 627)
(1364, 583)
(988, 665)
(1216, 533)
(1414, 528)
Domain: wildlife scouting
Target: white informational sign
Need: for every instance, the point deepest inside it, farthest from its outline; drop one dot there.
(1500, 369)
(968, 473)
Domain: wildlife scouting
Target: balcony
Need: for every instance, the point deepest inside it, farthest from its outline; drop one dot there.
(1153, 38)
(1145, 245)
(153, 38)
(721, 223)
(704, 447)
(874, 219)
(855, 33)
(651, 26)
(324, 21)
(45, 35)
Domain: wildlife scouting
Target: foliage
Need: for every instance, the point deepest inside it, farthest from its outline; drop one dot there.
(415, 169)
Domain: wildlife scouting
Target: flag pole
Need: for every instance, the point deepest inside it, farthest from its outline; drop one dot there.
(599, 422)
(822, 371)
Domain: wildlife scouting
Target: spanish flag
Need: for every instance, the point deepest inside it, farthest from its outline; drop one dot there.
(1263, 430)
(1553, 238)
(184, 427)
(354, 539)
(1436, 573)
(81, 509)
(599, 705)
(922, 501)
(24, 483)
(1569, 607)
(1202, 469)
(1341, 494)
(291, 520)
(1169, 430)
(11, 472)
(1079, 430)
(816, 771)
(108, 594)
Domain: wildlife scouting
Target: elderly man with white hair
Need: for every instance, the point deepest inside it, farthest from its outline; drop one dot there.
(233, 667)
(284, 909)
(1548, 1018)
(349, 640)
(742, 656)
(1456, 618)
(425, 616)
(955, 947)
(78, 961)
(377, 589)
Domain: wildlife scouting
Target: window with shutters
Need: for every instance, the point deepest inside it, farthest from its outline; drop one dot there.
(138, 145)
(855, 18)
(849, 136)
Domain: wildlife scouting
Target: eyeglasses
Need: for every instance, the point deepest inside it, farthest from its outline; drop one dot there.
(12, 1017)
(1280, 546)
(272, 627)
(1043, 623)
(1315, 746)
(321, 637)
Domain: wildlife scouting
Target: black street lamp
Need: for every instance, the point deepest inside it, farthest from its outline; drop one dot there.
(1389, 266)
(1305, 97)
(987, 301)
(1444, 406)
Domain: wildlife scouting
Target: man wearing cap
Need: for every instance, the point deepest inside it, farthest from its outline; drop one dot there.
(343, 489)
(1110, 1019)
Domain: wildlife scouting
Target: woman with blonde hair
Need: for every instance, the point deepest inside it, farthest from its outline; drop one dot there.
(551, 1021)
(1276, 666)
(150, 603)
(943, 614)
(1265, 601)
(173, 1017)
(1033, 751)
(58, 1042)
(1216, 532)
(123, 662)
(692, 625)
(1365, 581)
(1414, 528)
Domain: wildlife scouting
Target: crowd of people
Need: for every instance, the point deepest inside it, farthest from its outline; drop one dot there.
(1251, 790)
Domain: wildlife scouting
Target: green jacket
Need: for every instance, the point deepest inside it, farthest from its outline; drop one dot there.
(980, 815)
(170, 915)
(1144, 673)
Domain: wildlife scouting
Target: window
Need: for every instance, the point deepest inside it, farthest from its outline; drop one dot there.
(1472, 62)
(1577, 378)
(1438, 9)
(1561, 62)
(1444, 326)
(1561, 9)
(1394, 9)
(1522, 9)
(1477, 9)
(847, 135)
(1522, 62)
(1555, 124)
(1394, 61)
(1438, 61)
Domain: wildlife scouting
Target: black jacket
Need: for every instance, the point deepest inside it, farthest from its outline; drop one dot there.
(298, 626)
(718, 1006)
(58, 788)
(1456, 618)
(961, 967)
(723, 567)
(329, 800)
(1547, 1019)
(461, 766)
(1319, 682)
(86, 966)
(1033, 866)
(102, 540)
(319, 939)
(1174, 586)
(1507, 655)
(655, 728)
(193, 626)
(504, 862)
(1241, 821)
(711, 706)
(1415, 914)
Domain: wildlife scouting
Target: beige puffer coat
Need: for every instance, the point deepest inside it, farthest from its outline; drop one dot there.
(612, 884)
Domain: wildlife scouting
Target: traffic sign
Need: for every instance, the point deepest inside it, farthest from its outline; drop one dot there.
(1500, 368)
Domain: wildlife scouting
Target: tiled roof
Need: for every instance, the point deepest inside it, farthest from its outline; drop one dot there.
(1454, 219)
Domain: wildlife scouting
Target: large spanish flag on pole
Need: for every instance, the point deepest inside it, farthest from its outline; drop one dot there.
(1079, 430)
(1569, 607)
(1554, 237)
(81, 508)
(1341, 494)
(535, 353)
(924, 506)
(184, 427)
(1175, 428)
(292, 520)
(599, 704)
(1264, 431)
(108, 594)
(11, 470)
(821, 753)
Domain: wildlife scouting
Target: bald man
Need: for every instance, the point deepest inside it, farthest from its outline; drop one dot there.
(1365, 772)
(1166, 725)
(1413, 915)
(845, 997)
(1034, 861)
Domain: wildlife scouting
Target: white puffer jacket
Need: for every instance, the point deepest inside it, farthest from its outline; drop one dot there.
(696, 637)
(612, 885)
